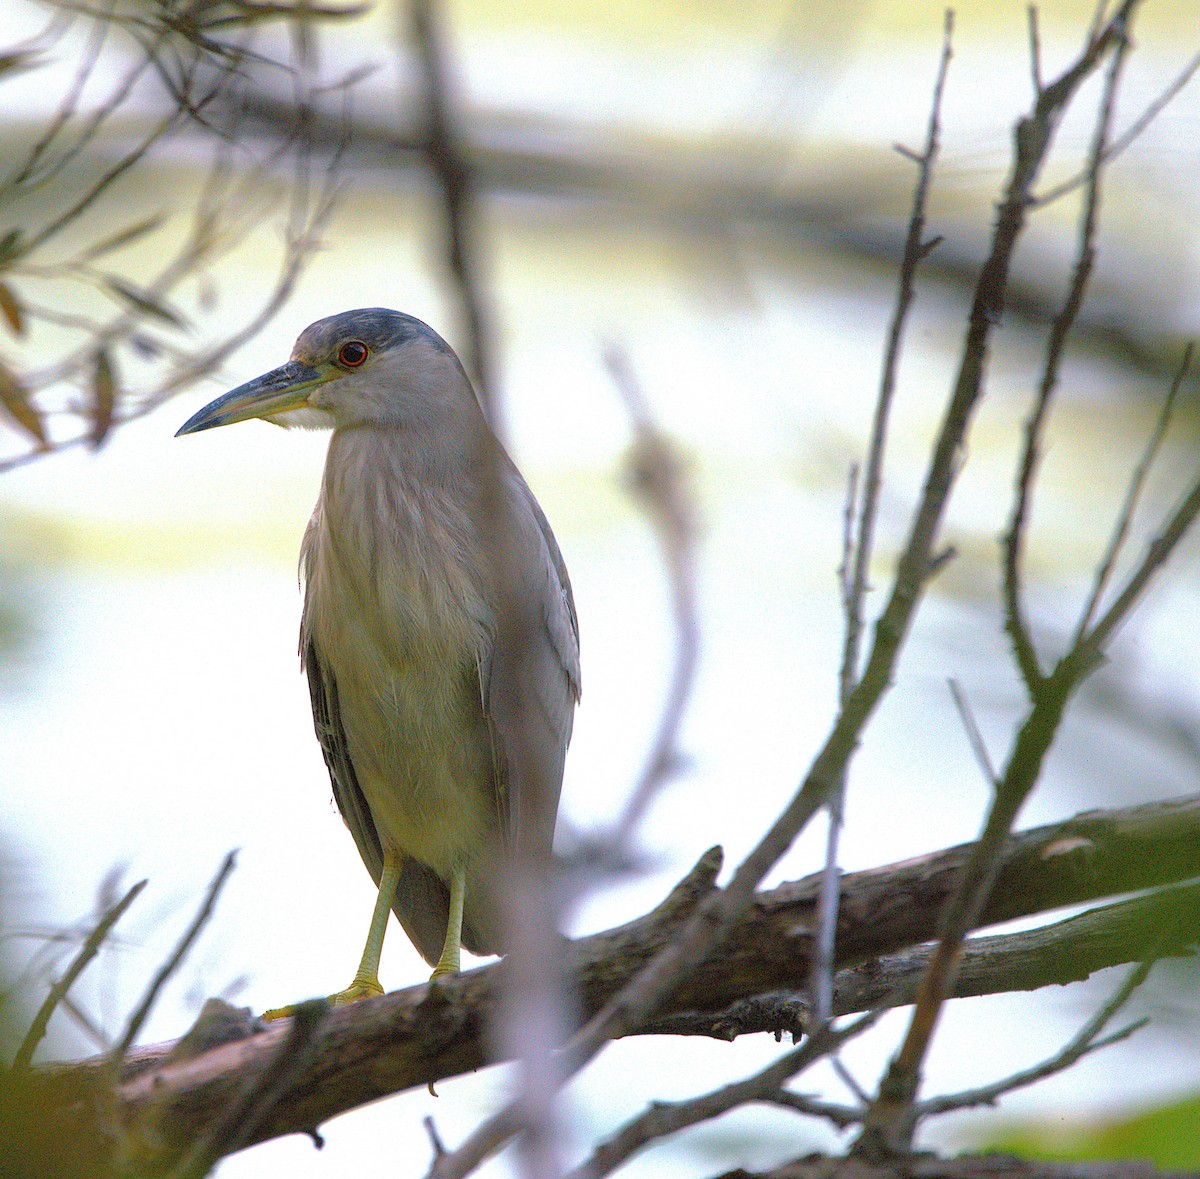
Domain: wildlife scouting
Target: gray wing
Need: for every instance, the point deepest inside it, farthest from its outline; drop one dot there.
(422, 901)
(536, 693)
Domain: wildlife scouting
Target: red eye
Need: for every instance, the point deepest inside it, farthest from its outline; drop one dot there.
(352, 353)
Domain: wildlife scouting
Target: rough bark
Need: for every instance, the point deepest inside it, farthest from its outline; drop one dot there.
(168, 1096)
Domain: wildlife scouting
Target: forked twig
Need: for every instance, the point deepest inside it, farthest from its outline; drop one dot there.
(1024, 650)
(1131, 134)
(1086, 1041)
(1132, 495)
(891, 1119)
(665, 1118)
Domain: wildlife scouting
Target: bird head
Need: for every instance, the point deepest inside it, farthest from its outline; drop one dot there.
(367, 367)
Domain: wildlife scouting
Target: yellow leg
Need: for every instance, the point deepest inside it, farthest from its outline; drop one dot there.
(366, 978)
(448, 962)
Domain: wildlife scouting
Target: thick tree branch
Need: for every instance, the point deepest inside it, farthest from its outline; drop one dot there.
(424, 1033)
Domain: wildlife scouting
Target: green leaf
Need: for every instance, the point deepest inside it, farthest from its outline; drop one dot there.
(10, 246)
(129, 234)
(143, 302)
(104, 399)
(15, 401)
(11, 309)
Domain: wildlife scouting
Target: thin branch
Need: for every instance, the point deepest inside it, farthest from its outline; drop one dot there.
(659, 478)
(861, 541)
(1035, 52)
(845, 570)
(663, 1119)
(1015, 624)
(58, 992)
(842, 1116)
(1157, 553)
(914, 251)
(1135, 130)
(1132, 496)
(70, 101)
(974, 736)
(891, 1120)
(1086, 1041)
(448, 164)
(168, 968)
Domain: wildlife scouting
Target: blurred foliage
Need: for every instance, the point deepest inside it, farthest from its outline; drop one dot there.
(1168, 1136)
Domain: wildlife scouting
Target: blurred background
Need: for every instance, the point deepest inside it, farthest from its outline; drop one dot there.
(713, 187)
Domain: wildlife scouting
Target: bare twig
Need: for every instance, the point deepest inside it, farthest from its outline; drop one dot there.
(454, 178)
(891, 1120)
(1157, 553)
(842, 1116)
(860, 541)
(1015, 624)
(534, 1018)
(58, 992)
(168, 968)
(665, 1118)
(974, 736)
(1035, 52)
(915, 248)
(1132, 495)
(1086, 1041)
(1131, 134)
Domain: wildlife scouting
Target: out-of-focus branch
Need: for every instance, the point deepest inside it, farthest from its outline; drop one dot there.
(964, 1166)
(658, 476)
(534, 1019)
(58, 992)
(195, 68)
(443, 153)
(260, 1094)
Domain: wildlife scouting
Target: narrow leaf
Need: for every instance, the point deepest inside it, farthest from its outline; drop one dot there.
(10, 246)
(129, 234)
(104, 399)
(142, 302)
(15, 401)
(12, 310)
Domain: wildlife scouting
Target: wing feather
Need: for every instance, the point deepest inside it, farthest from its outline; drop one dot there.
(422, 901)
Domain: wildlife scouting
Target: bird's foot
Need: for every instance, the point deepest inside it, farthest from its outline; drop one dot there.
(279, 1013)
(360, 988)
(441, 970)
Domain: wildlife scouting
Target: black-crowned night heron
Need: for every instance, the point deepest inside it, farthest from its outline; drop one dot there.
(399, 634)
